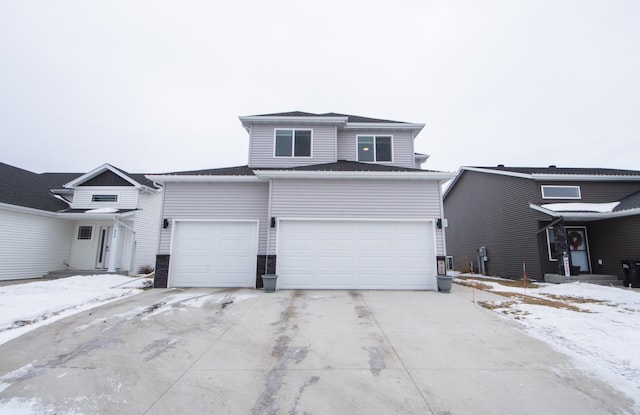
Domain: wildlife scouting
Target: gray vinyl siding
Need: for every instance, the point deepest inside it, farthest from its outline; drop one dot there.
(215, 201)
(382, 199)
(613, 240)
(32, 245)
(261, 153)
(403, 154)
(493, 211)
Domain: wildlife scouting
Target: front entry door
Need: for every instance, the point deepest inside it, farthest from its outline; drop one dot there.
(578, 248)
(104, 243)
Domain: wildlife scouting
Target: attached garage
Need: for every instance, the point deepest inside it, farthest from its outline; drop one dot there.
(356, 254)
(213, 253)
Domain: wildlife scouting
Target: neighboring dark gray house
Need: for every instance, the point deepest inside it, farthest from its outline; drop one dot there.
(533, 215)
(327, 200)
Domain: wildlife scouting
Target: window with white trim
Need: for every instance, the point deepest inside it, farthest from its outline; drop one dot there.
(374, 148)
(292, 143)
(84, 232)
(104, 198)
(560, 192)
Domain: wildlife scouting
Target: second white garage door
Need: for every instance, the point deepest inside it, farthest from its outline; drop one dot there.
(214, 254)
(336, 254)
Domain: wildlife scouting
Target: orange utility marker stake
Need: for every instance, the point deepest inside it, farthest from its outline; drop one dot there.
(524, 269)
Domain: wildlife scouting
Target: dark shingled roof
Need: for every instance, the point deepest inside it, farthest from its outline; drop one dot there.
(630, 202)
(224, 171)
(564, 170)
(24, 188)
(344, 165)
(350, 118)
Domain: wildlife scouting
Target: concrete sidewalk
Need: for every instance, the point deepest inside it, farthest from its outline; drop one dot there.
(201, 351)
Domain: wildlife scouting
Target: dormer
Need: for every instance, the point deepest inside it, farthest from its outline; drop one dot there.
(105, 187)
(295, 139)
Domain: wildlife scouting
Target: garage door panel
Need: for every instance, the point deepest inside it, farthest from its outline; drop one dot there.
(213, 254)
(356, 254)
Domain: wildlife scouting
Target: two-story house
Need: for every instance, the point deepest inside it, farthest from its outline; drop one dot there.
(535, 215)
(103, 220)
(326, 201)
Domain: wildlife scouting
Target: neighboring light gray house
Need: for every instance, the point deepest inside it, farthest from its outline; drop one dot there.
(105, 219)
(534, 214)
(326, 201)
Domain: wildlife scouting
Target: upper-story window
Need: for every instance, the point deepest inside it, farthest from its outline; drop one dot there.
(293, 143)
(374, 148)
(104, 198)
(560, 192)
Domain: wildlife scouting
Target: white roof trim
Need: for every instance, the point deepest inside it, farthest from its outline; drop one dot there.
(586, 216)
(63, 215)
(376, 175)
(383, 126)
(251, 119)
(173, 178)
(97, 171)
(555, 177)
(28, 210)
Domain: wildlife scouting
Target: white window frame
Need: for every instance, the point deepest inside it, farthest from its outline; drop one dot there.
(80, 227)
(375, 155)
(93, 197)
(293, 142)
(544, 186)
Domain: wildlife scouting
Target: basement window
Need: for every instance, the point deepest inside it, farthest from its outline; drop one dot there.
(84, 232)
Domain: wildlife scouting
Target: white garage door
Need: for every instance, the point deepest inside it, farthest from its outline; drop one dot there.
(213, 254)
(333, 254)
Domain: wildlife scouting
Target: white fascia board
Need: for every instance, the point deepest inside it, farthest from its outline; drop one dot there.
(28, 210)
(94, 216)
(383, 126)
(499, 172)
(158, 178)
(93, 173)
(587, 216)
(372, 175)
(248, 120)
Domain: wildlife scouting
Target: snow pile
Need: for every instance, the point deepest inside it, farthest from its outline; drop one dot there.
(598, 326)
(25, 307)
(581, 207)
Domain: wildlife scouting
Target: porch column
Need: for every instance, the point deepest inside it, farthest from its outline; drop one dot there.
(562, 246)
(115, 245)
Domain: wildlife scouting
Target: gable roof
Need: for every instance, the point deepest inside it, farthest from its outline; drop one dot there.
(138, 180)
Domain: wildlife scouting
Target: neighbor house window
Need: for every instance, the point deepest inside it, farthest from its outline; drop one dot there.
(84, 232)
(560, 192)
(293, 143)
(374, 148)
(104, 198)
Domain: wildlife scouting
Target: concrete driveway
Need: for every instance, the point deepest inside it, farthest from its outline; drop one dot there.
(240, 351)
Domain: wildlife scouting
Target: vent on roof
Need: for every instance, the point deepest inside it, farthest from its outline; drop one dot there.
(501, 166)
(553, 166)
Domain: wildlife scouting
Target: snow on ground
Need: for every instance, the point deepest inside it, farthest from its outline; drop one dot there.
(25, 307)
(597, 326)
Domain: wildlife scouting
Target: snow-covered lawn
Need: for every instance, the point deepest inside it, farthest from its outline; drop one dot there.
(25, 307)
(598, 326)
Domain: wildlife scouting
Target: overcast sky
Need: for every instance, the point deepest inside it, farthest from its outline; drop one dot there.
(157, 86)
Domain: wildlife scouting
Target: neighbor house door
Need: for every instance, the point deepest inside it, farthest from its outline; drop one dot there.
(578, 247)
(104, 243)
